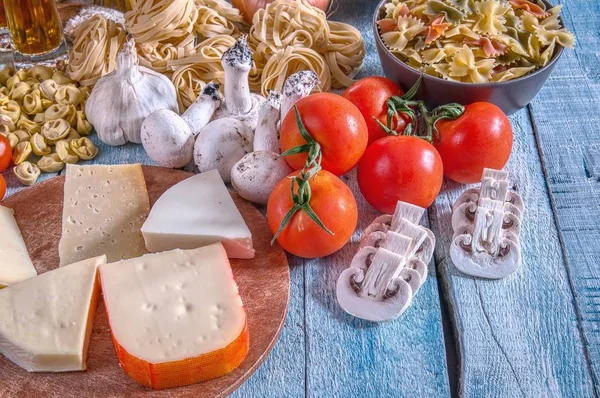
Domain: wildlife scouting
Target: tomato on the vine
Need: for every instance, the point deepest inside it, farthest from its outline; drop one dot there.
(370, 96)
(5, 153)
(330, 199)
(403, 168)
(333, 122)
(2, 187)
(481, 137)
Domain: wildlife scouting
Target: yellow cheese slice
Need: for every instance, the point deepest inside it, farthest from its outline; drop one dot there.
(15, 264)
(104, 210)
(46, 321)
(176, 317)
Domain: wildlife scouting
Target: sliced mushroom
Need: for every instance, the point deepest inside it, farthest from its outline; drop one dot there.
(482, 264)
(378, 293)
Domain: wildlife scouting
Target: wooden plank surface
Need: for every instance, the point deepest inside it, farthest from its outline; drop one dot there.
(518, 336)
(566, 118)
(350, 357)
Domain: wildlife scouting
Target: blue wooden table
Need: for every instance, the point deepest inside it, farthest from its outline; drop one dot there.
(533, 334)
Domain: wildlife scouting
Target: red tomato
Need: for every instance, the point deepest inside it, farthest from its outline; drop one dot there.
(370, 95)
(403, 168)
(481, 138)
(333, 203)
(5, 153)
(2, 187)
(335, 123)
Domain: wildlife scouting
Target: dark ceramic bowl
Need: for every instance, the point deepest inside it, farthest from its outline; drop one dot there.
(510, 96)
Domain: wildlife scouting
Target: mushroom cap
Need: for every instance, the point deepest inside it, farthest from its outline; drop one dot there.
(167, 139)
(255, 175)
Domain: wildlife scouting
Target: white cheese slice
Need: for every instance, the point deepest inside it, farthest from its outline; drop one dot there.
(174, 305)
(15, 264)
(197, 212)
(104, 209)
(46, 321)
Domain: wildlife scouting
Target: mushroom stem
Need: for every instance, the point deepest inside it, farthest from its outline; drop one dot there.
(202, 110)
(237, 62)
(296, 87)
(266, 136)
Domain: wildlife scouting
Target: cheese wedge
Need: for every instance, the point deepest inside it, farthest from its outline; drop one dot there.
(46, 321)
(197, 212)
(104, 209)
(176, 317)
(15, 264)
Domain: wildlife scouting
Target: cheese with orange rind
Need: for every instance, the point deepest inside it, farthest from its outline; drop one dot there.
(176, 317)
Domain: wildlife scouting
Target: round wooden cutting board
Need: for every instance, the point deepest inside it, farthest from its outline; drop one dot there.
(264, 284)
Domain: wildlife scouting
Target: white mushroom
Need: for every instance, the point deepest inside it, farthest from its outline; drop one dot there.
(486, 223)
(482, 264)
(167, 139)
(221, 144)
(239, 102)
(202, 110)
(296, 87)
(375, 291)
(266, 136)
(257, 173)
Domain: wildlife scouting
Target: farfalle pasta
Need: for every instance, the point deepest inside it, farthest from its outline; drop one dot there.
(473, 41)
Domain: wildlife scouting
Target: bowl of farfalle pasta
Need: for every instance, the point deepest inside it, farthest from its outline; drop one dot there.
(471, 50)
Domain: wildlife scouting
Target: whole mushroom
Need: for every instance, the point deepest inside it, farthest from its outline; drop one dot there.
(239, 102)
(167, 139)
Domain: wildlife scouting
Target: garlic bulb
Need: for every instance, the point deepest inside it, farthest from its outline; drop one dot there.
(121, 100)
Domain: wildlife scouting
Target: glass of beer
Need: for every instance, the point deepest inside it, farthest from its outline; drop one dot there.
(36, 31)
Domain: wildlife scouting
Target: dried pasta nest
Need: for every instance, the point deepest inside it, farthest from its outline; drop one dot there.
(323, 46)
(95, 47)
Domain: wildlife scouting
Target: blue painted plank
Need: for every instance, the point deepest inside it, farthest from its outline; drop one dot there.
(349, 357)
(566, 115)
(519, 336)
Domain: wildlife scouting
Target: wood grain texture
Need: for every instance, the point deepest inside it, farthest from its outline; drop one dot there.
(566, 116)
(518, 336)
(349, 357)
(355, 358)
(263, 283)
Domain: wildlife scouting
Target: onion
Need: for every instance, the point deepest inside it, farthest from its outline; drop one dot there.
(249, 7)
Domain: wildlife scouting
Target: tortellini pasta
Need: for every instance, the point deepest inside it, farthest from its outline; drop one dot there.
(27, 173)
(474, 41)
(51, 163)
(21, 152)
(65, 152)
(42, 116)
(84, 148)
(55, 130)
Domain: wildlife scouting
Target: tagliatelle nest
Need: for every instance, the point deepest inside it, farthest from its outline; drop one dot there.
(328, 48)
(473, 41)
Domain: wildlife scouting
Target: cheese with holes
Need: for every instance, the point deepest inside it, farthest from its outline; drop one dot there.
(176, 317)
(15, 264)
(46, 321)
(197, 212)
(104, 209)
